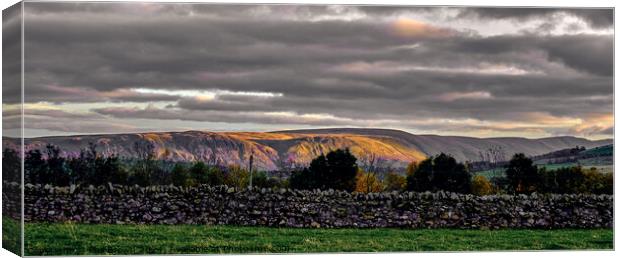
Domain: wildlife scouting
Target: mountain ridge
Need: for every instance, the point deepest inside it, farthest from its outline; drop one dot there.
(293, 148)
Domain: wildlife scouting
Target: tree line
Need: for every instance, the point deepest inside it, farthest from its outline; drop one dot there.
(337, 169)
(91, 167)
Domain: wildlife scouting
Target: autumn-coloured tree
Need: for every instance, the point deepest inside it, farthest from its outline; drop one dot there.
(481, 186)
(367, 182)
(412, 167)
(394, 182)
(237, 177)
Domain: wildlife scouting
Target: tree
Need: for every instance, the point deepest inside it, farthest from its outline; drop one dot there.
(597, 182)
(144, 167)
(302, 179)
(481, 186)
(215, 176)
(237, 177)
(419, 178)
(574, 180)
(412, 167)
(35, 169)
(198, 173)
(370, 164)
(91, 168)
(441, 172)
(180, 175)
(394, 182)
(11, 165)
(522, 174)
(449, 175)
(336, 170)
(116, 173)
(58, 172)
(368, 183)
(571, 180)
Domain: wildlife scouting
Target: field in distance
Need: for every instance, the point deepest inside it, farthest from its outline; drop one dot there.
(599, 158)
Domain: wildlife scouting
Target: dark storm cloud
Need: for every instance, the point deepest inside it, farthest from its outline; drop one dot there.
(588, 53)
(11, 51)
(349, 62)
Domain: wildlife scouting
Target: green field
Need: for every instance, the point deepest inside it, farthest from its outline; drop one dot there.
(80, 239)
(500, 172)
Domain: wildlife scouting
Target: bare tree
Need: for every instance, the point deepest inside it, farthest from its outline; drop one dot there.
(371, 163)
(145, 164)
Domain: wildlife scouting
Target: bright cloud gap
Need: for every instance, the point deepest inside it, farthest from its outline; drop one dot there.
(209, 94)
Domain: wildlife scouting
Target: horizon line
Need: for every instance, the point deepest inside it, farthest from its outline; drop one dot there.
(293, 131)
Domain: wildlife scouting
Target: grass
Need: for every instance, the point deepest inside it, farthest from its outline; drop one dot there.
(82, 239)
(492, 173)
(607, 150)
(11, 237)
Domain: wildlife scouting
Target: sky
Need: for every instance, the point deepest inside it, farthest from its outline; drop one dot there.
(481, 72)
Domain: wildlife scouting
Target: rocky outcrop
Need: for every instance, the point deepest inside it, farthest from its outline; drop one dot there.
(223, 205)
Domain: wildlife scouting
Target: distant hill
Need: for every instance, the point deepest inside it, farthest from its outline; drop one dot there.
(602, 155)
(466, 148)
(275, 150)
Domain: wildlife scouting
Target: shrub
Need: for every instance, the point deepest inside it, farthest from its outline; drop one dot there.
(198, 173)
(481, 186)
(394, 182)
(237, 177)
(180, 175)
(215, 176)
(574, 180)
(260, 179)
(368, 183)
(599, 183)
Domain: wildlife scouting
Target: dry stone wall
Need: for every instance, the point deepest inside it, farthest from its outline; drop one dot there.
(326, 209)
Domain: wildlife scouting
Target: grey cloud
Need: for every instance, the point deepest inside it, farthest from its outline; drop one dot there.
(11, 54)
(62, 121)
(588, 53)
(217, 116)
(102, 50)
(608, 131)
(595, 17)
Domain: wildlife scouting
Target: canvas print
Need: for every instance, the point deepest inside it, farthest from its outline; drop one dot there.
(195, 128)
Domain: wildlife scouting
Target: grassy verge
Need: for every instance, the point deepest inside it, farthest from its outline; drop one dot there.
(11, 235)
(80, 239)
